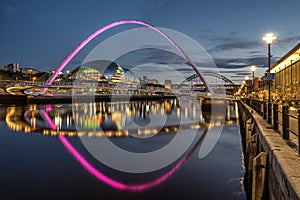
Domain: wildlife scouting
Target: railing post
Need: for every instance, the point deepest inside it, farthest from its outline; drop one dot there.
(256, 106)
(265, 110)
(275, 117)
(260, 108)
(285, 122)
(299, 131)
(269, 113)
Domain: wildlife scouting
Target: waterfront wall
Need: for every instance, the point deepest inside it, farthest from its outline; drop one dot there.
(276, 178)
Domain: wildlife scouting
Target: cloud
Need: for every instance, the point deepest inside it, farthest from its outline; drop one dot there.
(235, 45)
(184, 69)
(232, 41)
(157, 46)
(237, 63)
(143, 56)
(289, 40)
(216, 37)
(238, 76)
(245, 73)
(8, 9)
(230, 63)
(232, 66)
(231, 71)
(255, 52)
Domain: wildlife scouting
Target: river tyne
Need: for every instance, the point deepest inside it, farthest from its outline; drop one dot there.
(44, 151)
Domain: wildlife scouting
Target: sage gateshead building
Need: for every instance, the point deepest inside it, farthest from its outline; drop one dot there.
(287, 75)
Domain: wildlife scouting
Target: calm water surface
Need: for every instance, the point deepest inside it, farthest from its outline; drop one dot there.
(37, 163)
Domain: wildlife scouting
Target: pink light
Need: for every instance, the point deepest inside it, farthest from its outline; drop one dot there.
(99, 31)
(49, 121)
(109, 181)
(112, 182)
(48, 108)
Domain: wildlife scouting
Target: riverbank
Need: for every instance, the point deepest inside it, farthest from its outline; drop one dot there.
(277, 176)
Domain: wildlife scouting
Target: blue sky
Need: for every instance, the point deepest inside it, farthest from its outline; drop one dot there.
(40, 34)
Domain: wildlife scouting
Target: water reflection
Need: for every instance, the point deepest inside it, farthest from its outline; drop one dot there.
(114, 183)
(113, 119)
(123, 186)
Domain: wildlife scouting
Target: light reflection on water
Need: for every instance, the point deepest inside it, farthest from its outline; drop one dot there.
(33, 162)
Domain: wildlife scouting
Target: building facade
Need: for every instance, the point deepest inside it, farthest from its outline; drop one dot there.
(287, 75)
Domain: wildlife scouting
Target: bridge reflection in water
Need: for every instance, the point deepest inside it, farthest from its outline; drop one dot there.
(114, 120)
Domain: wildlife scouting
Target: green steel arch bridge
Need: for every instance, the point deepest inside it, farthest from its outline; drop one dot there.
(218, 83)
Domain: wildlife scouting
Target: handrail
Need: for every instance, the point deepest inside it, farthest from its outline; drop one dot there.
(261, 108)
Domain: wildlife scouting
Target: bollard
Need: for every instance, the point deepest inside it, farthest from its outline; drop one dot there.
(265, 110)
(285, 122)
(261, 108)
(275, 117)
(256, 106)
(269, 113)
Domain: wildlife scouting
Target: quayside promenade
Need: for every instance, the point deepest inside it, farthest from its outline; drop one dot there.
(271, 156)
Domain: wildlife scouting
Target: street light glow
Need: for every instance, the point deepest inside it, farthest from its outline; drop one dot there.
(269, 37)
(253, 68)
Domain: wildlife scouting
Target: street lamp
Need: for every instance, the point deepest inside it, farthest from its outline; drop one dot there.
(269, 37)
(30, 71)
(253, 68)
(245, 82)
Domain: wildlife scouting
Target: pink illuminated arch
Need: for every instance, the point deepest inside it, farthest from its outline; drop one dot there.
(114, 183)
(119, 185)
(109, 26)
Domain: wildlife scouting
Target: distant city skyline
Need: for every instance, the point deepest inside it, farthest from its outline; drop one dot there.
(40, 34)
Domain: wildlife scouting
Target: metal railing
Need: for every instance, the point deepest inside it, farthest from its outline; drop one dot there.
(261, 108)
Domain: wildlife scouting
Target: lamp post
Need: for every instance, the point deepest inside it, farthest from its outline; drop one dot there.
(269, 37)
(253, 68)
(30, 71)
(245, 82)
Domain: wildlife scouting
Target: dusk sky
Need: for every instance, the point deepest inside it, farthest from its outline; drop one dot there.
(40, 34)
